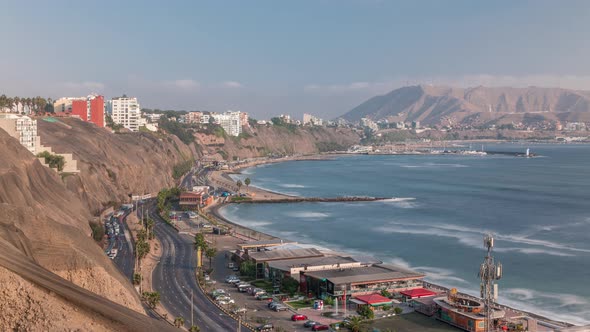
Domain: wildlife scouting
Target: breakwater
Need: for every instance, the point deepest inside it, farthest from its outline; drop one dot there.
(312, 199)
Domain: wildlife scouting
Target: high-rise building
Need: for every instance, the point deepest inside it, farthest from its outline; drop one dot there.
(126, 112)
(230, 122)
(22, 128)
(90, 108)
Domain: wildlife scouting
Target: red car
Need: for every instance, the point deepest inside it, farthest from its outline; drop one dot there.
(320, 328)
(298, 317)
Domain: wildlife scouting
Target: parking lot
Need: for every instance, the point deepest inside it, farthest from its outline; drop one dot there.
(257, 311)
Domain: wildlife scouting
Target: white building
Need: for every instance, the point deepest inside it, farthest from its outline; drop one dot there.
(22, 128)
(309, 119)
(230, 122)
(366, 122)
(126, 111)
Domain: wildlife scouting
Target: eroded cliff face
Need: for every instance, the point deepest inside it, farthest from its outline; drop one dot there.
(264, 140)
(47, 222)
(114, 165)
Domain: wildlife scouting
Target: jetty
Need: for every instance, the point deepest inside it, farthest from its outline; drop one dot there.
(311, 199)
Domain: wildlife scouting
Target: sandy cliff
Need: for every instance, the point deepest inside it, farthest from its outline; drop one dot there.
(45, 221)
(113, 165)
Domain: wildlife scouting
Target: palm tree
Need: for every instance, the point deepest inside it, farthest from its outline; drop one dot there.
(178, 321)
(247, 183)
(194, 328)
(354, 324)
(210, 253)
(239, 184)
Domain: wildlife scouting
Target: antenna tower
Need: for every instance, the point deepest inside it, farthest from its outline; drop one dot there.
(489, 272)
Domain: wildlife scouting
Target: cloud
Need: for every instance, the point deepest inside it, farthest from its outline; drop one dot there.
(232, 84)
(185, 84)
(575, 82)
(91, 86)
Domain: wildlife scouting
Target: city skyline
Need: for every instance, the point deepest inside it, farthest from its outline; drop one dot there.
(320, 57)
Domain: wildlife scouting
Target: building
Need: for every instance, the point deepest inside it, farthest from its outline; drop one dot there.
(23, 128)
(464, 313)
(90, 108)
(372, 301)
(194, 117)
(244, 121)
(366, 122)
(292, 267)
(126, 112)
(352, 282)
(230, 122)
(311, 120)
(262, 258)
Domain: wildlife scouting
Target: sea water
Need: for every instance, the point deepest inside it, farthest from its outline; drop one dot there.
(439, 209)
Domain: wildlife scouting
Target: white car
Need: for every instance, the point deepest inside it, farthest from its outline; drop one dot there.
(226, 302)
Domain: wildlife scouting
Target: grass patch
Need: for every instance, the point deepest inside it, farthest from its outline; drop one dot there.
(240, 199)
(300, 304)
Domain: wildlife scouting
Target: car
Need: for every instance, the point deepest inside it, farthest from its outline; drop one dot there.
(272, 303)
(230, 277)
(297, 317)
(310, 323)
(236, 268)
(239, 310)
(207, 277)
(263, 296)
(226, 302)
(320, 328)
(280, 307)
(255, 291)
(265, 328)
(258, 291)
(217, 292)
(235, 281)
(221, 297)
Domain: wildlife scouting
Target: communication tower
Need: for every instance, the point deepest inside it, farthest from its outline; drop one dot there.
(489, 272)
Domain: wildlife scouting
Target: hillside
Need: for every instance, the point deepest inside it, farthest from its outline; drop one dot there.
(113, 165)
(46, 222)
(433, 105)
(263, 140)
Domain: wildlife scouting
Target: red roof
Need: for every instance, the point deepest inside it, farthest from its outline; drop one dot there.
(373, 299)
(418, 292)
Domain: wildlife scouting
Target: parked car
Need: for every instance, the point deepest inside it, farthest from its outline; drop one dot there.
(265, 328)
(272, 303)
(230, 277)
(263, 297)
(310, 323)
(320, 328)
(226, 302)
(297, 317)
(280, 307)
(207, 277)
(239, 311)
(255, 291)
(221, 297)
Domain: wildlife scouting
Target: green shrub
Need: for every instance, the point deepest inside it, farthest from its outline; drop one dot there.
(97, 231)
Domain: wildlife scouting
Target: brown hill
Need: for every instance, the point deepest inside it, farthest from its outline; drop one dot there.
(113, 165)
(480, 105)
(263, 140)
(48, 223)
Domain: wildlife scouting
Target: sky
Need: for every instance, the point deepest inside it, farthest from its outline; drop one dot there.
(286, 57)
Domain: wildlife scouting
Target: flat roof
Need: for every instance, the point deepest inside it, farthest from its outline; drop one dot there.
(285, 265)
(373, 299)
(418, 292)
(264, 243)
(272, 255)
(374, 273)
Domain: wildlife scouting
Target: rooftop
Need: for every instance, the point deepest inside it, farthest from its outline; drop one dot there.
(373, 299)
(374, 273)
(418, 292)
(285, 265)
(265, 256)
(262, 244)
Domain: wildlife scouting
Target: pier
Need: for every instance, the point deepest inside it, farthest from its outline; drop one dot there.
(312, 199)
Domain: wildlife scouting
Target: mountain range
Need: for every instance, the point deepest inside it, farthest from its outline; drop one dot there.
(443, 105)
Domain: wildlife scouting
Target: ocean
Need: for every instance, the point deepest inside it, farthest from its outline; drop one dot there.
(439, 209)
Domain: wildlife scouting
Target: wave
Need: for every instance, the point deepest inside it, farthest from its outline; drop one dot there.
(309, 215)
(401, 202)
(472, 237)
(434, 165)
(291, 185)
(399, 199)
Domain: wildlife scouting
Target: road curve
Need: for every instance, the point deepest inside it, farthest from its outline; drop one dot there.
(15, 261)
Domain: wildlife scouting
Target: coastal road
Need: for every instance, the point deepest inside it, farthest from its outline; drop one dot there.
(174, 278)
(125, 260)
(15, 261)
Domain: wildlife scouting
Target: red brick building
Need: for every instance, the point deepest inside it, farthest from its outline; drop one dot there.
(90, 108)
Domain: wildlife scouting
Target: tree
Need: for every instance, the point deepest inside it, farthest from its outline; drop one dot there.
(239, 184)
(210, 252)
(385, 293)
(354, 324)
(248, 268)
(194, 328)
(247, 183)
(398, 310)
(152, 298)
(136, 278)
(178, 321)
(142, 248)
(366, 312)
(289, 286)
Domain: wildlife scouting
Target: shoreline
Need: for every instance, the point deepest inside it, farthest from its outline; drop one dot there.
(215, 212)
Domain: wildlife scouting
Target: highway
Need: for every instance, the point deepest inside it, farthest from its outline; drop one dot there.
(125, 259)
(174, 278)
(17, 262)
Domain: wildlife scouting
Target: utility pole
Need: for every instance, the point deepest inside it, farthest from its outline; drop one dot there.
(192, 308)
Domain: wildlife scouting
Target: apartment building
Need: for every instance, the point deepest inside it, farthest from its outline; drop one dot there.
(126, 112)
(230, 122)
(90, 108)
(22, 128)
